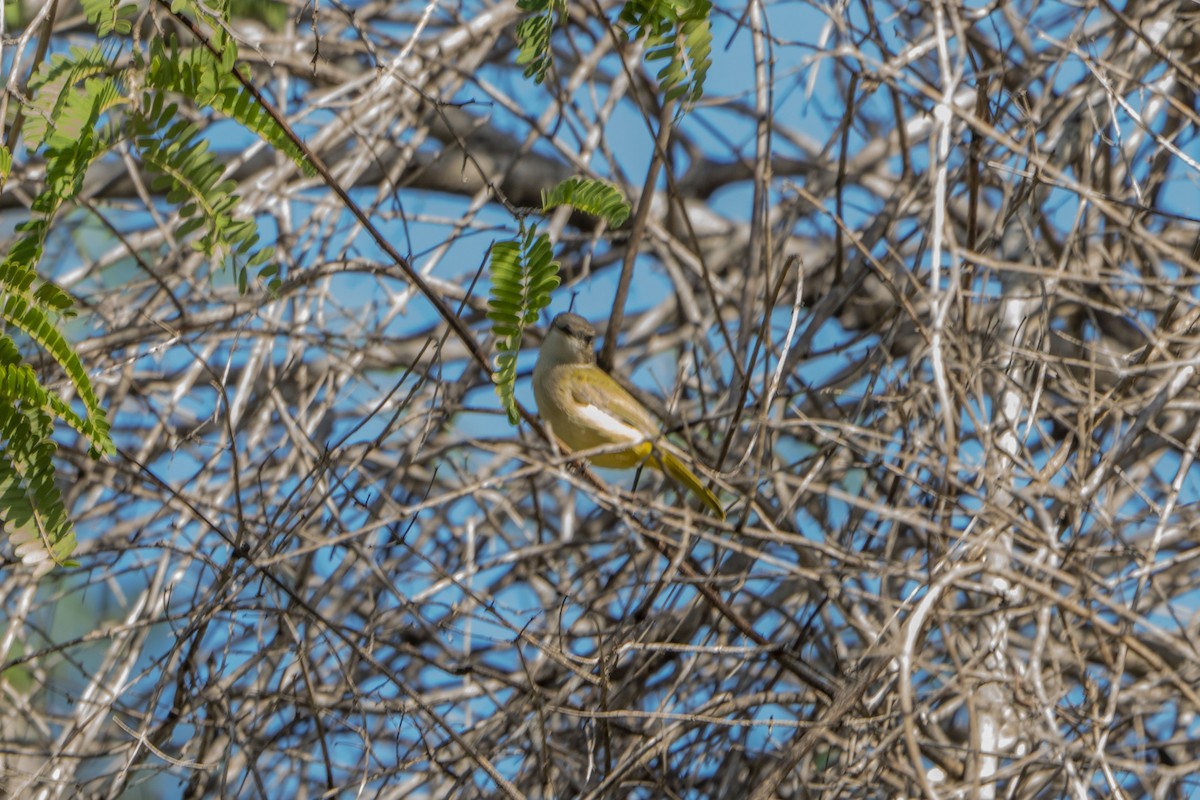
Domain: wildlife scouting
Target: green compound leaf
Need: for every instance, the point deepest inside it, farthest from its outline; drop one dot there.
(595, 197)
(110, 16)
(678, 32)
(523, 274)
(533, 36)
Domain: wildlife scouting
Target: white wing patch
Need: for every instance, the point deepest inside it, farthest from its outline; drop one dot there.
(601, 420)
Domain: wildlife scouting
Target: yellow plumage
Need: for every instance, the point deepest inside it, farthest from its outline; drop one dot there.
(586, 409)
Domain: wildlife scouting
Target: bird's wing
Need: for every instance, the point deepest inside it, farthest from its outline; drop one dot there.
(606, 402)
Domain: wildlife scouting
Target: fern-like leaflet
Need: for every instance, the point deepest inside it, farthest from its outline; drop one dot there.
(523, 274)
(679, 32)
(533, 36)
(676, 31)
(68, 119)
(210, 81)
(595, 197)
(110, 16)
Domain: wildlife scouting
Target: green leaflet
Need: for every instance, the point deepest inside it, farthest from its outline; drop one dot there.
(209, 81)
(80, 102)
(598, 198)
(533, 36)
(678, 32)
(34, 515)
(110, 16)
(523, 274)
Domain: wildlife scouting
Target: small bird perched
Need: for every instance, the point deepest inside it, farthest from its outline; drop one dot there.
(586, 409)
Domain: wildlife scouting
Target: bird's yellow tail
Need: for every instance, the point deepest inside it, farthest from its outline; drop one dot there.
(677, 470)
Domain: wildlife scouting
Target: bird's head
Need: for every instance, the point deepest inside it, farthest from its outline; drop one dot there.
(571, 340)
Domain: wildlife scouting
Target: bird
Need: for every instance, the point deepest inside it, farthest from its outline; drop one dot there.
(587, 409)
